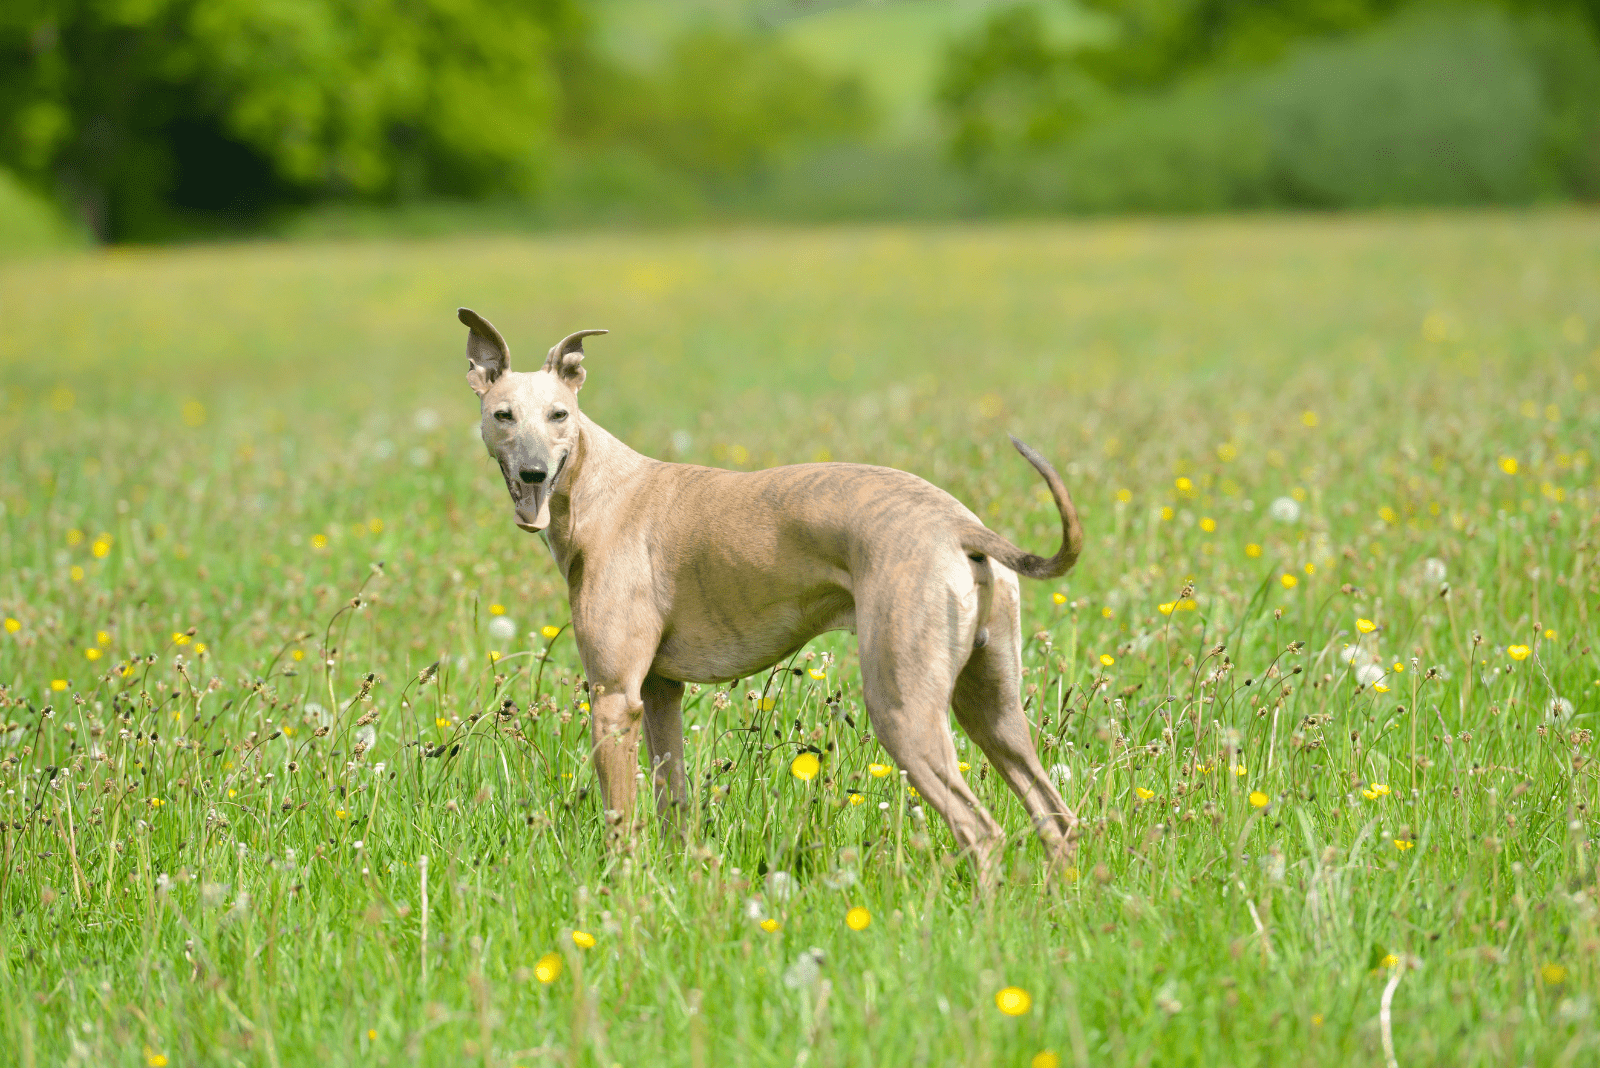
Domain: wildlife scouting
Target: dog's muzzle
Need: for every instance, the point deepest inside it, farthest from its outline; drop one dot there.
(532, 501)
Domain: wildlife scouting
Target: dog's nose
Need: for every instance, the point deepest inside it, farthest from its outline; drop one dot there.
(533, 475)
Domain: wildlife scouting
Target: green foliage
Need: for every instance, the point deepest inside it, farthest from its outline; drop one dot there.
(722, 106)
(136, 109)
(1452, 106)
(1012, 88)
(1159, 41)
(30, 223)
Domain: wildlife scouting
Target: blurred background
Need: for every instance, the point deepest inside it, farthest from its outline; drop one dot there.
(164, 120)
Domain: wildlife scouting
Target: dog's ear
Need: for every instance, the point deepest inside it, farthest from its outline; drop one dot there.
(566, 359)
(488, 357)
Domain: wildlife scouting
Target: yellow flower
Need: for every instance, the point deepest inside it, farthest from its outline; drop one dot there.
(375, 525)
(817, 673)
(1124, 495)
(12, 625)
(1403, 844)
(441, 722)
(1389, 961)
(1553, 974)
(1308, 418)
(497, 610)
(372, 1034)
(1366, 626)
(805, 766)
(857, 799)
(1518, 652)
(963, 765)
(340, 814)
(1550, 634)
(1045, 1058)
(153, 1059)
(1013, 1001)
(1375, 791)
(1208, 525)
(75, 573)
(1144, 795)
(74, 538)
(770, 925)
(1388, 515)
(494, 654)
(1058, 597)
(102, 637)
(1204, 769)
(298, 655)
(1316, 1019)
(878, 770)
(92, 653)
(1252, 550)
(1289, 581)
(857, 919)
(1107, 612)
(100, 548)
(549, 630)
(1311, 569)
(200, 647)
(1106, 659)
(1167, 513)
(583, 706)
(548, 970)
(290, 732)
(1259, 799)
(1188, 604)
(1183, 484)
(1379, 687)
(766, 703)
(232, 792)
(1399, 666)
(126, 671)
(58, 685)
(179, 638)
(1240, 771)
(1166, 609)
(1508, 464)
(583, 939)
(319, 541)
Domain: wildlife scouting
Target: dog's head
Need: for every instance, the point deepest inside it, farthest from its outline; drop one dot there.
(530, 419)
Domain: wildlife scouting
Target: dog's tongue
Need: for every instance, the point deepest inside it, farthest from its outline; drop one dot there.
(539, 518)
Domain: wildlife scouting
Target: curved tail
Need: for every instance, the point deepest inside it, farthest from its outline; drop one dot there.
(979, 539)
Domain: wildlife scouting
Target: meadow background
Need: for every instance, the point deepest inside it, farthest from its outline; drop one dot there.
(1300, 297)
(264, 611)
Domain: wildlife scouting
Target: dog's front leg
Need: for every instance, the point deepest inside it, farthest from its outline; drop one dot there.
(615, 712)
(663, 734)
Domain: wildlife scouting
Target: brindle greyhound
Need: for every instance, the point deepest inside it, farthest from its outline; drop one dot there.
(678, 573)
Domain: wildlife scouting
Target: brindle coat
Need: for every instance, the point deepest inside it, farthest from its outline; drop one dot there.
(678, 573)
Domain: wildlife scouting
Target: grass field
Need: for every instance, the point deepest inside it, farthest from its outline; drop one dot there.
(1322, 687)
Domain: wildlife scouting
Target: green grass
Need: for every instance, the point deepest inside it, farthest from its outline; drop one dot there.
(214, 447)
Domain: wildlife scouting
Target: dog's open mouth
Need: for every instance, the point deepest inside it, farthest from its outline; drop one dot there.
(532, 503)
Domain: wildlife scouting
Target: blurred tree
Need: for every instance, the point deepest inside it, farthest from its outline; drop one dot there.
(723, 106)
(1010, 87)
(138, 111)
(1158, 41)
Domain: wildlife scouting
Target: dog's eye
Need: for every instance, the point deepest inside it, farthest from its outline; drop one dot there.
(505, 416)
(558, 415)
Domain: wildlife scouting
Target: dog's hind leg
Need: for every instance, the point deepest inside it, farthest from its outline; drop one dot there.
(663, 735)
(906, 667)
(988, 706)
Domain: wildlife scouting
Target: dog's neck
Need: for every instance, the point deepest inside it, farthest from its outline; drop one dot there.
(599, 473)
